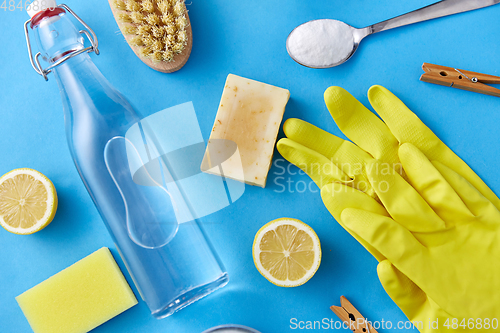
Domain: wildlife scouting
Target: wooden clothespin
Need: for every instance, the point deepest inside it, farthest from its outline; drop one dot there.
(353, 319)
(461, 79)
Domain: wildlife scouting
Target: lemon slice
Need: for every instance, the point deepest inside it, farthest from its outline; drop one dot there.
(287, 252)
(28, 201)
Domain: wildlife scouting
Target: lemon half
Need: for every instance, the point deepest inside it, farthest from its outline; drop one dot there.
(28, 201)
(287, 252)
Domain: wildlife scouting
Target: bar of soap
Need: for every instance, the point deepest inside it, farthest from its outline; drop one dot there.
(249, 114)
(79, 298)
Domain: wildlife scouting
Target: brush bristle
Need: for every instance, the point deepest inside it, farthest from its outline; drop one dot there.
(148, 6)
(119, 4)
(158, 27)
(168, 55)
(178, 47)
(153, 19)
(158, 32)
(148, 40)
(167, 19)
(136, 41)
(163, 6)
(157, 56)
(170, 29)
(143, 30)
(132, 6)
(181, 23)
(125, 18)
(146, 51)
(130, 29)
(178, 9)
(137, 17)
(182, 36)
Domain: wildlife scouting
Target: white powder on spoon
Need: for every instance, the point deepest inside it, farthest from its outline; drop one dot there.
(321, 43)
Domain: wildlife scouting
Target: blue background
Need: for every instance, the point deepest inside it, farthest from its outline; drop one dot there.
(246, 38)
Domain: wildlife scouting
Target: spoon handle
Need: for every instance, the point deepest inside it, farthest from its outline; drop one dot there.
(438, 9)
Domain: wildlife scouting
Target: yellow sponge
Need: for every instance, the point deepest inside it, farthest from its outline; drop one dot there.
(79, 298)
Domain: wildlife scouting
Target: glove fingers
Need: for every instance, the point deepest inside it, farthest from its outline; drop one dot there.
(403, 291)
(472, 198)
(392, 240)
(431, 185)
(361, 126)
(348, 157)
(403, 123)
(317, 166)
(407, 127)
(338, 197)
(420, 309)
(402, 201)
(312, 137)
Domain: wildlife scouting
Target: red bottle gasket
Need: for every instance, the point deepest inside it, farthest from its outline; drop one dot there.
(49, 12)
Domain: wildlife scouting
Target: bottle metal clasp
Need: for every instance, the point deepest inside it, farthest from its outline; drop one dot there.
(35, 61)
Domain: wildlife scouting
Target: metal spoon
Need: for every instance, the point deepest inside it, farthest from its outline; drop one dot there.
(343, 40)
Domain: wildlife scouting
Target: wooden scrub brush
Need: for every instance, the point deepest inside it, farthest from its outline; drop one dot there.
(158, 31)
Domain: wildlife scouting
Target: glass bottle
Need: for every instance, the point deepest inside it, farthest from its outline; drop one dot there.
(172, 264)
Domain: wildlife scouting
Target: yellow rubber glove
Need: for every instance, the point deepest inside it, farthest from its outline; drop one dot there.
(441, 238)
(309, 147)
(327, 158)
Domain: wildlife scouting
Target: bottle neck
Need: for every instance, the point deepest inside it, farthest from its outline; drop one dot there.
(79, 74)
(88, 98)
(84, 88)
(56, 36)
